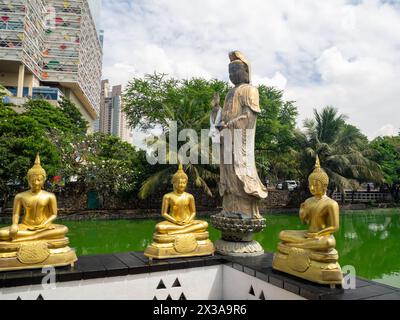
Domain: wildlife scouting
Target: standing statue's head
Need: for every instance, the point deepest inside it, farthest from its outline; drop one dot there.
(318, 180)
(36, 176)
(180, 180)
(239, 68)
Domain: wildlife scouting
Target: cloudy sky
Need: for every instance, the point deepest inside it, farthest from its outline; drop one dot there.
(336, 52)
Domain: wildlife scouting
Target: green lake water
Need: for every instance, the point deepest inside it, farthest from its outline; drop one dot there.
(369, 240)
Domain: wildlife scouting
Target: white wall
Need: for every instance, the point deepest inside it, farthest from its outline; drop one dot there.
(237, 286)
(11, 79)
(132, 287)
(70, 95)
(207, 283)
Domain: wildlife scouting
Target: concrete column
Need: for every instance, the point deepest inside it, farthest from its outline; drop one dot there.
(21, 78)
(31, 80)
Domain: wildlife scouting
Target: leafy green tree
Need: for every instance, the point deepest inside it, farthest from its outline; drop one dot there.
(156, 99)
(202, 176)
(23, 135)
(71, 112)
(275, 141)
(388, 157)
(342, 148)
(103, 163)
(50, 117)
(21, 138)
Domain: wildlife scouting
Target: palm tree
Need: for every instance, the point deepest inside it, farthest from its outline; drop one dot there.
(342, 148)
(189, 114)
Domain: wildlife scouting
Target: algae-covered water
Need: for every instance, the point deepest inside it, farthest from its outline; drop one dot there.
(367, 240)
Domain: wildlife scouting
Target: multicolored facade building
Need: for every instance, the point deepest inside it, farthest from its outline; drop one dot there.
(51, 48)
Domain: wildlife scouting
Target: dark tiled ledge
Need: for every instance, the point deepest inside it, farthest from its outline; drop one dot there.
(123, 264)
(104, 266)
(261, 267)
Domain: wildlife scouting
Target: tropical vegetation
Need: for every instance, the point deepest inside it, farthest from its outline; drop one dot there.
(343, 150)
(156, 100)
(108, 166)
(96, 162)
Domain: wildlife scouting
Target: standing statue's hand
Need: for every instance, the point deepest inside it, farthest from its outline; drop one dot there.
(13, 231)
(222, 126)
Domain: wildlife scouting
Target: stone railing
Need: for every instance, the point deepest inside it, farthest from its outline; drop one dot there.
(362, 197)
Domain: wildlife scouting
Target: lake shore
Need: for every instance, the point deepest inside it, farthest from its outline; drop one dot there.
(140, 214)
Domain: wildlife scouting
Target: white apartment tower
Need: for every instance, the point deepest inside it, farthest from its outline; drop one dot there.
(112, 118)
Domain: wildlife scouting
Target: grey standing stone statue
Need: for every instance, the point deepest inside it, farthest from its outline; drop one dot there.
(240, 185)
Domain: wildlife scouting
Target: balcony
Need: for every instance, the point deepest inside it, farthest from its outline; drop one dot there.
(46, 93)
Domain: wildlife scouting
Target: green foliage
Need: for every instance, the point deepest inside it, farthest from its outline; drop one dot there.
(388, 157)
(3, 93)
(186, 115)
(21, 138)
(274, 137)
(342, 148)
(101, 162)
(157, 99)
(52, 118)
(71, 112)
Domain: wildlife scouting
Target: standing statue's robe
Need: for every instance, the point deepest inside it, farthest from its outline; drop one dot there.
(240, 185)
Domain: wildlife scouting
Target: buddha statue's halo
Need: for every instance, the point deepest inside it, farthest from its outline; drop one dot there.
(319, 174)
(236, 56)
(37, 169)
(180, 174)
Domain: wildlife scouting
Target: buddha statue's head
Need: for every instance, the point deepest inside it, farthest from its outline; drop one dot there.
(180, 180)
(36, 176)
(239, 68)
(318, 180)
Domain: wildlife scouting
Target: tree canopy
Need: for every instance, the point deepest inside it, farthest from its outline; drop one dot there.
(58, 134)
(154, 99)
(343, 150)
(21, 138)
(275, 135)
(157, 99)
(388, 157)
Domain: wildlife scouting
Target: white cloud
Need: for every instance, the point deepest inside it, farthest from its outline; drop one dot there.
(387, 130)
(278, 80)
(321, 52)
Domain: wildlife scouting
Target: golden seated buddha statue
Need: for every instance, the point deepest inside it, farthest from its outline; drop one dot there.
(180, 235)
(36, 242)
(311, 254)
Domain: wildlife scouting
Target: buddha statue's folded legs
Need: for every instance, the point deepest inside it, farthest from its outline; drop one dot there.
(167, 227)
(299, 239)
(25, 234)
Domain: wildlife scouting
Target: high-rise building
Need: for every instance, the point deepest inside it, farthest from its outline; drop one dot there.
(105, 108)
(112, 118)
(51, 48)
